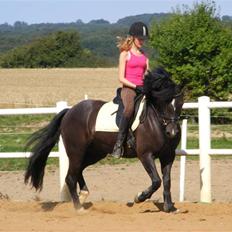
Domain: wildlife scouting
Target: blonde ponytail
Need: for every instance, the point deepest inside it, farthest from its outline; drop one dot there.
(124, 44)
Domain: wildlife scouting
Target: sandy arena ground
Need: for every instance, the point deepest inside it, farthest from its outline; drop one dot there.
(109, 206)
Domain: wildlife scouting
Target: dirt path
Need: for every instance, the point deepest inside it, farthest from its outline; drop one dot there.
(112, 216)
(109, 206)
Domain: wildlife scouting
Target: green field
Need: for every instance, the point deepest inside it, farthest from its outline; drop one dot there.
(15, 130)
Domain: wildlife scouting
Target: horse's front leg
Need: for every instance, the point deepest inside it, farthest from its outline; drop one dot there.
(166, 171)
(149, 165)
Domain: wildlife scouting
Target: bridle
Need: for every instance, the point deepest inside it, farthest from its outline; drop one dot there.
(168, 120)
(165, 120)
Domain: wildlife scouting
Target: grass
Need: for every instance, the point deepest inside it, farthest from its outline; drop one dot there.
(16, 142)
(23, 123)
(216, 143)
(12, 143)
(15, 130)
(17, 164)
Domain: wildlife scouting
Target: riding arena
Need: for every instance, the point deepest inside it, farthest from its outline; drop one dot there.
(117, 197)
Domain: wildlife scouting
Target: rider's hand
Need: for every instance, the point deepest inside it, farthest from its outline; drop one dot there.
(139, 89)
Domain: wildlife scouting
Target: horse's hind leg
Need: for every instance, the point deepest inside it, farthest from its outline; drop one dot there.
(74, 174)
(84, 192)
(71, 181)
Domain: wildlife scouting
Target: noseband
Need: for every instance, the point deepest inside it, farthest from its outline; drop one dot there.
(167, 120)
(164, 120)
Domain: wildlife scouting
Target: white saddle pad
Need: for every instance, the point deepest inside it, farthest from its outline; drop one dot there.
(106, 118)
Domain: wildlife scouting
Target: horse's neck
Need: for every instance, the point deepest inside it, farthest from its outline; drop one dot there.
(153, 110)
(152, 116)
(152, 128)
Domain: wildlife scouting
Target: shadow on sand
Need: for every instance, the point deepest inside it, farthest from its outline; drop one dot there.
(50, 206)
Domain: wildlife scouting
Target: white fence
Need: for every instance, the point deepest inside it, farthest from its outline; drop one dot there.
(203, 105)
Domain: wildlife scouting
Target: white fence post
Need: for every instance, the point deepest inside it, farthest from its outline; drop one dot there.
(183, 159)
(204, 146)
(63, 160)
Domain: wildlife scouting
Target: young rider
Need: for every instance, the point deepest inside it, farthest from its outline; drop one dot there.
(133, 64)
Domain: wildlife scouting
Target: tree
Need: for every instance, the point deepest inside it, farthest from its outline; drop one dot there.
(60, 49)
(196, 48)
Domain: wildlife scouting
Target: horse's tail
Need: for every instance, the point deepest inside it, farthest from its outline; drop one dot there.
(42, 143)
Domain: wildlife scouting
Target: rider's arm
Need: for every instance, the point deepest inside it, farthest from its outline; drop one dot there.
(121, 70)
(148, 67)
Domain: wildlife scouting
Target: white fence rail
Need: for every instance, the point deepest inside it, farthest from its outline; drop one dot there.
(30, 111)
(203, 105)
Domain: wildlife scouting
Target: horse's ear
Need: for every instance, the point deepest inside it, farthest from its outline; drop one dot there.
(148, 74)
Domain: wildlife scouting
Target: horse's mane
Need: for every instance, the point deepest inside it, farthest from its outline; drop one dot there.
(159, 86)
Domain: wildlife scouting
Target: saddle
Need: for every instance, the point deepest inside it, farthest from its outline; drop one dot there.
(110, 114)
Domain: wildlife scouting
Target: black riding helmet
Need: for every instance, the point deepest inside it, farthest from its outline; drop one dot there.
(139, 30)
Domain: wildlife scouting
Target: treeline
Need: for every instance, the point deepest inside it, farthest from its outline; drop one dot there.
(60, 49)
(97, 40)
(98, 36)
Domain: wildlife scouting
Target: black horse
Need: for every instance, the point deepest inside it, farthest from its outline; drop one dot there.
(157, 136)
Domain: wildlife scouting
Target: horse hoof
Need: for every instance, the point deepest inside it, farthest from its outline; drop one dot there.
(82, 196)
(82, 211)
(136, 199)
(176, 211)
(172, 209)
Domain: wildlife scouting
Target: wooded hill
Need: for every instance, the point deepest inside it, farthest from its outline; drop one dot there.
(97, 40)
(97, 36)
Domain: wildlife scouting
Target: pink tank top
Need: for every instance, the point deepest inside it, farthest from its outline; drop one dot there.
(136, 66)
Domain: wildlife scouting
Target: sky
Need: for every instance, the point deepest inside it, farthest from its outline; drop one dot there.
(55, 11)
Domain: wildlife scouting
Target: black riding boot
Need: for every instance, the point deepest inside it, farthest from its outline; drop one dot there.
(122, 134)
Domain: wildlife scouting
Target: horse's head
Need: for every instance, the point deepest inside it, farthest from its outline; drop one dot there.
(171, 115)
(166, 97)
